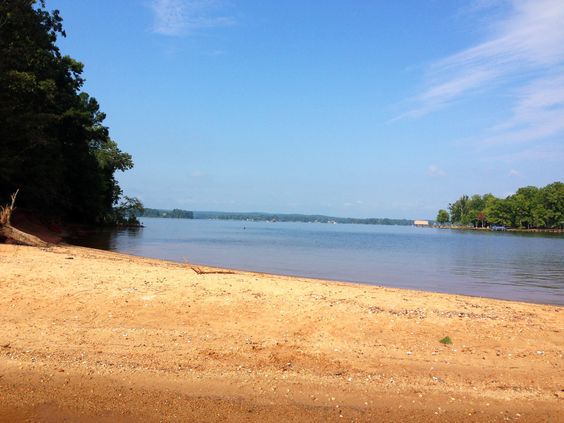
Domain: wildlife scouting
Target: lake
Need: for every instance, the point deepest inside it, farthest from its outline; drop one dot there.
(513, 266)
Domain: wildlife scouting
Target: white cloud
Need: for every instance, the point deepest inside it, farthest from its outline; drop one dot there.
(521, 59)
(442, 93)
(514, 172)
(537, 114)
(528, 39)
(436, 172)
(181, 17)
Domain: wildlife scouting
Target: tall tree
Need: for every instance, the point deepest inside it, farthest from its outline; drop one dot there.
(529, 207)
(460, 211)
(552, 197)
(442, 217)
(53, 144)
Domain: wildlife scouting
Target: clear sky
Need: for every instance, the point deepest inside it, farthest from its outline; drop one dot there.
(348, 108)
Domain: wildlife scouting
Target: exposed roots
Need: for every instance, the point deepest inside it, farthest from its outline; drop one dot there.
(7, 210)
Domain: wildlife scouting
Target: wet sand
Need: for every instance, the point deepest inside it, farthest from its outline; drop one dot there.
(88, 336)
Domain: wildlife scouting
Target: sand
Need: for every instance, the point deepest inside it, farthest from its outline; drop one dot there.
(88, 336)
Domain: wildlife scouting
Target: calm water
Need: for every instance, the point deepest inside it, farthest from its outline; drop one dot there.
(500, 265)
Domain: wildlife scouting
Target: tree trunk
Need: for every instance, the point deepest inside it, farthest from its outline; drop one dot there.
(20, 237)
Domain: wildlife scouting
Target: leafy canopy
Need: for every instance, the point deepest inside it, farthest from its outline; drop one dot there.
(54, 146)
(529, 207)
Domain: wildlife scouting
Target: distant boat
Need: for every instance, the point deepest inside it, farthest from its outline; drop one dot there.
(498, 228)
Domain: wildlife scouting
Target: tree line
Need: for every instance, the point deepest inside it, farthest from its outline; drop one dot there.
(167, 214)
(293, 217)
(267, 217)
(530, 207)
(54, 146)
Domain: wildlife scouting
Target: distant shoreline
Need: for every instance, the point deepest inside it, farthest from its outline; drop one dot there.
(513, 230)
(298, 218)
(270, 217)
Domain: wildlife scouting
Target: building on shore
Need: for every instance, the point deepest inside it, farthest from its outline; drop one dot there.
(421, 223)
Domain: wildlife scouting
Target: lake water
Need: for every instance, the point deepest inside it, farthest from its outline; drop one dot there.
(526, 267)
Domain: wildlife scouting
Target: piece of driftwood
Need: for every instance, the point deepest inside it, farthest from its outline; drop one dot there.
(13, 234)
(207, 272)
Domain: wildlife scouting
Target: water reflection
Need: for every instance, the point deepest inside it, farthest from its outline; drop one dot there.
(112, 239)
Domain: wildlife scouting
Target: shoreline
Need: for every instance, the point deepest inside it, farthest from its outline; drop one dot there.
(320, 279)
(558, 231)
(83, 327)
(345, 282)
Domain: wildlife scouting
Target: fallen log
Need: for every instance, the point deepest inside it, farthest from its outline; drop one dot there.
(19, 237)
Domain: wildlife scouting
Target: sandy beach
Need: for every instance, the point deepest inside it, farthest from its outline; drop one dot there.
(94, 336)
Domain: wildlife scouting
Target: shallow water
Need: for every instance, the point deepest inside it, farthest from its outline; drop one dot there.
(525, 267)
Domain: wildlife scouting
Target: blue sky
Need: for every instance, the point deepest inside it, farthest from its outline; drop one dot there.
(357, 108)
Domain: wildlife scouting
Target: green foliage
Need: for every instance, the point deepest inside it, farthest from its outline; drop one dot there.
(54, 146)
(446, 340)
(459, 210)
(443, 217)
(270, 217)
(126, 212)
(290, 217)
(173, 214)
(553, 202)
(500, 212)
(529, 207)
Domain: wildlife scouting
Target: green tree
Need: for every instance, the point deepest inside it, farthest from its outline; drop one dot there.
(476, 205)
(126, 212)
(54, 146)
(529, 207)
(443, 217)
(552, 198)
(460, 211)
(500, 212)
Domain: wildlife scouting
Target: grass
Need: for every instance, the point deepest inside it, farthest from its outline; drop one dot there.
(446, 340)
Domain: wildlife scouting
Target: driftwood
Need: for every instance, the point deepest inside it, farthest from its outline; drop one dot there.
(21, 237)
(208, 272)
(8, 232)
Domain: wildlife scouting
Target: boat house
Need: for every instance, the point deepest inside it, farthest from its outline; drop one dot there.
(421, 223)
